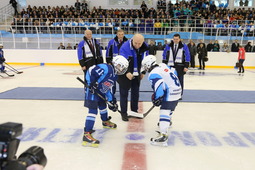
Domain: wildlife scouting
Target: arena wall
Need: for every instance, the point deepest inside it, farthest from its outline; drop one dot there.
(69, 57)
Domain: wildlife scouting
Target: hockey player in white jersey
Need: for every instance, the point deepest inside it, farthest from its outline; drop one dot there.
(167, 92)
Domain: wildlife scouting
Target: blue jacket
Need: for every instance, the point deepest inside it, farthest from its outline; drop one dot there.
(113, 48)
(83, 60)
(135, 58)
(185, 56)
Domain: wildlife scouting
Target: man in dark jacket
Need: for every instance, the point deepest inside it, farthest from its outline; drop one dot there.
(89, 51)
(235, 46)
(209, 46)
(202, 54)
(134, 50)
(248, 47)
(152, 48)
(177, 55)
(114, 45)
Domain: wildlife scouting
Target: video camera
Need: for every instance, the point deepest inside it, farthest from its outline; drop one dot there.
(9, 145)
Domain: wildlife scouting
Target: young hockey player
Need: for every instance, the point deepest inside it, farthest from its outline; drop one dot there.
(2, 59)
(100, 80)
(167, 92)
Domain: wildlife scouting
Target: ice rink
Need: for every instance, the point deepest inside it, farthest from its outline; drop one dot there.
(204, 135)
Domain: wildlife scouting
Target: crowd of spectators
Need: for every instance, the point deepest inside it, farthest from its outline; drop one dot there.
(197, 14)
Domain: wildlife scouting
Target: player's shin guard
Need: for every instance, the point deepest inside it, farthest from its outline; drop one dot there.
(165, 120)
(90, 120)
(103, 113)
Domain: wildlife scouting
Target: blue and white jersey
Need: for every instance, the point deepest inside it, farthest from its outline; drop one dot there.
(105, 76)
(165, 82)
(1, 53)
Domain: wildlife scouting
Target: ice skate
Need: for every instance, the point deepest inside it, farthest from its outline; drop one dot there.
(88, 140)
(160, 140)
(108, 124)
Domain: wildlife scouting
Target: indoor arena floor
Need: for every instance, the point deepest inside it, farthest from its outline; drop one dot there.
(204, 135)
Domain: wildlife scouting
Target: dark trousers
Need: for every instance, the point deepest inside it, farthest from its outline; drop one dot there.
(180, 75)
(201, 63)
(241, 68)
(192, 61)
(135, 84)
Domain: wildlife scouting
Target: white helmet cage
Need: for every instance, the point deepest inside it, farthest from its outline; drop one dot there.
(147, 62)
(120, 64)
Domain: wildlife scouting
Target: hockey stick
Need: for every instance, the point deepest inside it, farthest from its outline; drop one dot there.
(140, 115)
(99, 95)
(10, 75)
(12, 68)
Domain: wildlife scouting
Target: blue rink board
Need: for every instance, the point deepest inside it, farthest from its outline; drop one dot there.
(57, 93)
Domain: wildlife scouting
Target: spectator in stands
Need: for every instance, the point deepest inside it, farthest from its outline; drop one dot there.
(200, 42)
(210, 46)
(216, 46)
(160, 46)
(157, 27)
(76, 46)
(165, 26)
(69, 47)
(77, 5)
(225, 47)
(246, 2)
(212, 6)
(241, 3)
(159, 4)
(235, 46)
(248, 47)
(14, 5)
(84, 5)
(89, 52)
(114, 45)
(61, 46)
(152, 48)
(241, 58)
(143, 6)
(193, 52)
(202, 54)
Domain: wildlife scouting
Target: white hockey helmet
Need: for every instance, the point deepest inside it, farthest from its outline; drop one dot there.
(148, 62)
(1, 46)
(120, 64)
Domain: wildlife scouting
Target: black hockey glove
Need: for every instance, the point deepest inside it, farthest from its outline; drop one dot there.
(112, 105)
(93, 87)
(2, 59)
(156, 102)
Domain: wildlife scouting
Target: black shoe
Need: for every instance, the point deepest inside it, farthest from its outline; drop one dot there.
(242, 71)
(180, 99)
(124, 118)
(239, 72)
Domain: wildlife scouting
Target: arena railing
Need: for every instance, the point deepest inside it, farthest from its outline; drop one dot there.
(35, 31)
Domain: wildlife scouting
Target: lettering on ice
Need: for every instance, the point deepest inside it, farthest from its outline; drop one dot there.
(186, 138)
